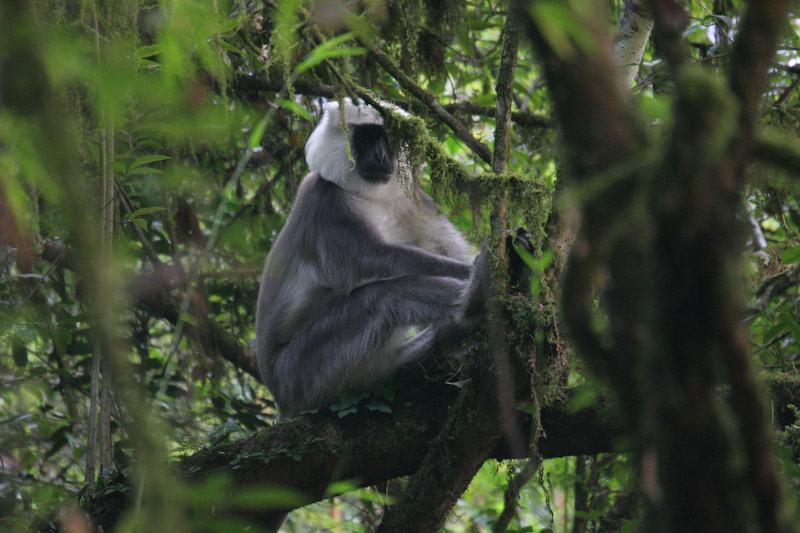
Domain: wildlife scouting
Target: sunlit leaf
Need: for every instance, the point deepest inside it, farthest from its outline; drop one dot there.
(149, 51)
(145, 170)
(294, 107)
(328, 50)
(146, 159)
(792, 255)
(258, 133)
(268, 497)
(144, 211)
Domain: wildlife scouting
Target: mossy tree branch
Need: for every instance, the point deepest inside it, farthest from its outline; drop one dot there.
(373, 447)
(678, 262)
(480, 149)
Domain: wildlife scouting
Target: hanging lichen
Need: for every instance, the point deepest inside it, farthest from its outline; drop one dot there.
(529, 197)
(441, 20)
(403, 27)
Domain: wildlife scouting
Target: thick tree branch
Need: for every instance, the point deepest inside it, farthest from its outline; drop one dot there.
(778, 151)
(520, 118)
(372, 447)
(369, 446)
(603, 142)
(469, 435)
(156, 292)
(702, 176)
(753, 53)
(250, 86)
(633, 31)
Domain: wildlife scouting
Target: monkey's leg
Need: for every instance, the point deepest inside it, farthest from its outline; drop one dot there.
(353, 344)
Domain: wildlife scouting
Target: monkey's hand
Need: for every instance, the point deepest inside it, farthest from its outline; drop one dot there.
(477, 293)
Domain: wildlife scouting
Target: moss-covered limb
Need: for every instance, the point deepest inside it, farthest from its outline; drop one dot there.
(249, 87)
(670, 20)
(498, 220)
(372, 446)
(779, 151)
(697, 199)
(602, 136)
(753, 53)
(504, 90)
(775, 287)
(155, 292)
(529, 197)
(472, 430)
(526, 119)
(599, 124)
(466, 440)
(480, 149)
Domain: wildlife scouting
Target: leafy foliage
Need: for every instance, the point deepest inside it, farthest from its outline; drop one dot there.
(199, 111)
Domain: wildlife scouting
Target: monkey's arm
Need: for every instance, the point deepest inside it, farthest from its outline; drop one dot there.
(349, 253)
(363, 259)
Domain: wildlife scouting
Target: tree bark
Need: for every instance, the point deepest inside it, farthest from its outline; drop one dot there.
(374, 447)
(633, 31)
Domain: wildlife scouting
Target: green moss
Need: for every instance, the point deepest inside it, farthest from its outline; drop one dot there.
(529, 198)
(707, 112)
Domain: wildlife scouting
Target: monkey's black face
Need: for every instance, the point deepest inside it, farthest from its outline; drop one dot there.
(373, 153)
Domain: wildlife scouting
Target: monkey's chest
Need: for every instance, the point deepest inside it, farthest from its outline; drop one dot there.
(399, 222)
(408, 229)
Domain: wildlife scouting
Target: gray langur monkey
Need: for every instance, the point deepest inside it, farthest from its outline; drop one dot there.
(358, 265)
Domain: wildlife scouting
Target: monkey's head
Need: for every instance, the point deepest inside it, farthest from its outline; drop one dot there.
(372, 158)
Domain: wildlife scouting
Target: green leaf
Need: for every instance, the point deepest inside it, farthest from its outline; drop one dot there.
(792, 324)
(144, 170)
(328, 50)
(295, 108)
(63, 337)
(773, 333)
(144, 211)
(147, 63)
(340, 487)
(552, 19)
(792, 255)
(558, 26)
(149, 51)
(19, 352)
(268, 497)
(257, 134)
(189, 318)
(230, 48)
(146, 159)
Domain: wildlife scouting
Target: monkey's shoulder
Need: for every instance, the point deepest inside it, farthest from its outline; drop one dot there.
(321, 201)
